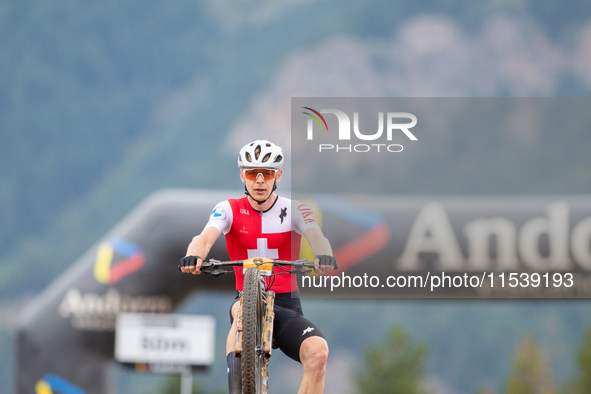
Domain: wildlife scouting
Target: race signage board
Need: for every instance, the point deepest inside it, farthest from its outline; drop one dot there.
(165, 339)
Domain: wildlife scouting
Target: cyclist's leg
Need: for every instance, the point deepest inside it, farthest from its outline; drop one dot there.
(313, 356)
(234, 363)
(231, 340)
(303, 341)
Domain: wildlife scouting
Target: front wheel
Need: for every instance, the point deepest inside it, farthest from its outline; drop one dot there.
(253, 363)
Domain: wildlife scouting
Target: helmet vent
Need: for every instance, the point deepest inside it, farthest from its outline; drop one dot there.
(278, 159)
(248, 158)
(257, 152)
(266, 158)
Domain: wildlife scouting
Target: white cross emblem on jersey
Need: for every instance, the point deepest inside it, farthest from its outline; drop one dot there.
(262, 250)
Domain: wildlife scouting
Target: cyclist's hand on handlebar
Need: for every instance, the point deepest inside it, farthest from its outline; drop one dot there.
(325, 263)
(190, 265)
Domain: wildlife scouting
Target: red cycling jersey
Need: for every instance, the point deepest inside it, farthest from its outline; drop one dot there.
(275, 234)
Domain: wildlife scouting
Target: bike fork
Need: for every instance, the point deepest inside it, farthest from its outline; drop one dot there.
(267, 339)
(265, 379)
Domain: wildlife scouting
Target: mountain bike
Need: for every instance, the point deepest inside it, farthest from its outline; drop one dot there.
(254, 336)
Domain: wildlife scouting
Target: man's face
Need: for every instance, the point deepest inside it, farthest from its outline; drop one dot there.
(262, 185)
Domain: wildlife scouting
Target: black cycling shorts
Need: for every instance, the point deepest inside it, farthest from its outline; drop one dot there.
(290, 327)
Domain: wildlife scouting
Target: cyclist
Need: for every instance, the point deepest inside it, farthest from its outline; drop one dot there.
(263, 224)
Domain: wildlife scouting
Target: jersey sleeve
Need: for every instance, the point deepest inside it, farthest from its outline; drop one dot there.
(303, 217)
(221, 217)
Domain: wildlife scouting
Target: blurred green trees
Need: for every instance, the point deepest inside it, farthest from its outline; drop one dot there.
(398, 367)
(394, 367)
(581, 383)
(584, 365)
(529, 374)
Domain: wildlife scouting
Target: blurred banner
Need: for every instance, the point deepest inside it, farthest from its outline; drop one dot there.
(510, 247)
(395, 247)
(66, 335)
(455, 247)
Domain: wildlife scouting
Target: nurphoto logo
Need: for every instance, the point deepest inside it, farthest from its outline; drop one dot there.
(393, 125)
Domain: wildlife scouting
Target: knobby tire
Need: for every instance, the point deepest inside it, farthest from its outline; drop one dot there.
(252, 329)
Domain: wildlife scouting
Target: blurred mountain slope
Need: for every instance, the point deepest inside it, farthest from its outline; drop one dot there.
(102, 104)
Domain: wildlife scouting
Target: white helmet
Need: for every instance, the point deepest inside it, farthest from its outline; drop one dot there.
(261, 154)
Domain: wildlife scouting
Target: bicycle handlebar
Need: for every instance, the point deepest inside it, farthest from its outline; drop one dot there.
(214, 267)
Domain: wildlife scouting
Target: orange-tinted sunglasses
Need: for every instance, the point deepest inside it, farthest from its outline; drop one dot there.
(253, 174)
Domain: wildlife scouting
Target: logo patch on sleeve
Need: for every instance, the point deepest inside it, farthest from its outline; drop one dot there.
(307, 213)
(218, 213)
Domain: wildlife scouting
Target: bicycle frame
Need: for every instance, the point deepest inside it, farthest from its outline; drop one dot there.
(255, 315)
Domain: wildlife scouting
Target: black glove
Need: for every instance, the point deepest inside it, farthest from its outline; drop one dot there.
(324, 259)
(188, 261)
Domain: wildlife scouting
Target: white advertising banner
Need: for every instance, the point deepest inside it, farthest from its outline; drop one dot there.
(165, 339)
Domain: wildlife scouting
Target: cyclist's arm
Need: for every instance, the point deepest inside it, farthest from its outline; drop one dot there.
(320, 246)
(200, 246)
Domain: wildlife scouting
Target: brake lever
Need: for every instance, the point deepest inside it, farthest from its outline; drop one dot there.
(302, 271)
(217, 272)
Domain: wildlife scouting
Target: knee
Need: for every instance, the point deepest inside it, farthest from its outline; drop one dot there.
(314, 355)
